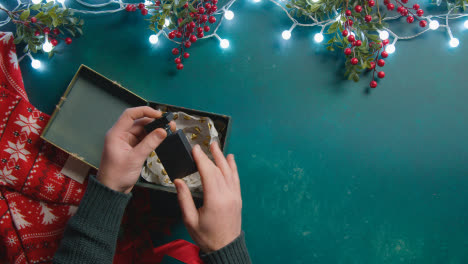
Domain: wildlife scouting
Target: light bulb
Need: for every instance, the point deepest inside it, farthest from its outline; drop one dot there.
(47, 46)
(167, 22)
(147, 3)
(36, 1)
(224, 43)
(61, 1)
(434, 24)
(153, 39)
(466, 24)
(36, 64)
(315, 1)
(286, 34)
(256, 1)
(229, 15)
(318, 37)
(383, 35)
(338, 17)
(454, 42)
(390, 48)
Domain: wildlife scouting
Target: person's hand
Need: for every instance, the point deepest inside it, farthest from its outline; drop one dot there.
(218, 222)
(126, 148)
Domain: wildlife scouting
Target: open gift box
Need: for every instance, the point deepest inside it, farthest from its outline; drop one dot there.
(92, 104)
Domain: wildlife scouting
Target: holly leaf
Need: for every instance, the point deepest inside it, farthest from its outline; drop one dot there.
(35, 7)
(25, 15)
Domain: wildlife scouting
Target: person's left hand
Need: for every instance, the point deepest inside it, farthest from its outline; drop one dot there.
(126, 148)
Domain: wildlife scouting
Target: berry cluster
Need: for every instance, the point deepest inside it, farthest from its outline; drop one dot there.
(407, 11)
(53, 35)
(190, 32)
(133, 8)
(380, 62)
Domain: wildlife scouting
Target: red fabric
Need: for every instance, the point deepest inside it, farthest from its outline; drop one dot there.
(36, 200)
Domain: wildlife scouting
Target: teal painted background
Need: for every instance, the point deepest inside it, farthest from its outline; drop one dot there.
(330, 173)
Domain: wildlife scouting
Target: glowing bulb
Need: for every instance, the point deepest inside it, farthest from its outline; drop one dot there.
(315, 1)
(153, 39)
(224, 43)
(318, 37)
(434, 24)
(229, 15)
(454, 42)
(257, 1)
(167, 22)
(36, 64)
(383, 35)
(36, 1)
(337, 18)
(47, 47)
(466, 24)
(147, 3)
(61, 1)
(286, 34)
(390, 48)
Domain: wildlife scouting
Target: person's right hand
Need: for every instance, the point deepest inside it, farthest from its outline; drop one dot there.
(218, 222)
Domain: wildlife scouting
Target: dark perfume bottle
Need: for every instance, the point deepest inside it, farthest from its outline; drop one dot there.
(175, 152)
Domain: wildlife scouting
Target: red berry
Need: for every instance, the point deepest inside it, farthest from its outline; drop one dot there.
(134, 8)
(351, 38)
(368, 18)
(386, 2)
(201, 10)
(144, 12)
(390, 6)
(420, 12)
(33, 19)
(200, 35)
(344, 33)
(56, 31)
(206, 28)
(214, 8)
(177, 60)
(212, 19)
(179, 20)
(410, 19)
(381, 74)
(54, 42)
(385, 41)
(180, 66)
(384, 54)
(192, 24)
(350, 22)
(208, 6)
(348, 12)
(188, 33)
(358, 43)
(68, 40)
(415, 6)
(358, 8)
(372, 65)
(214, 2)
(141, 6)
(188, 44)
(175, 51)
(186, 55)
(404, 12)
(404, 1)
(37, 33)
(373, 84)
(204, 18)
(193, 38)
(354, 61)
(399, 9)
(46, 30)
(178, 34)
(171, 35)
(191, 14)
(158, 3)
(381, 63)
(422, 23)
(370, 44)
(347, 51)
(128, 8)
(186, 5)
(371, 3)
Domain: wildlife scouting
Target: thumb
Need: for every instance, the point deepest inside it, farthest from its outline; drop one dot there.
(150, 142)
(187, 205)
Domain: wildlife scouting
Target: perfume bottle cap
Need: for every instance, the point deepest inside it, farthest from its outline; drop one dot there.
(162, 122)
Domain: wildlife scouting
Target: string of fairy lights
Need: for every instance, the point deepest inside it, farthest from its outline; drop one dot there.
(436, 22)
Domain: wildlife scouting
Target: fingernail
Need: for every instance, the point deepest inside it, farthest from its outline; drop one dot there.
(196, 147)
